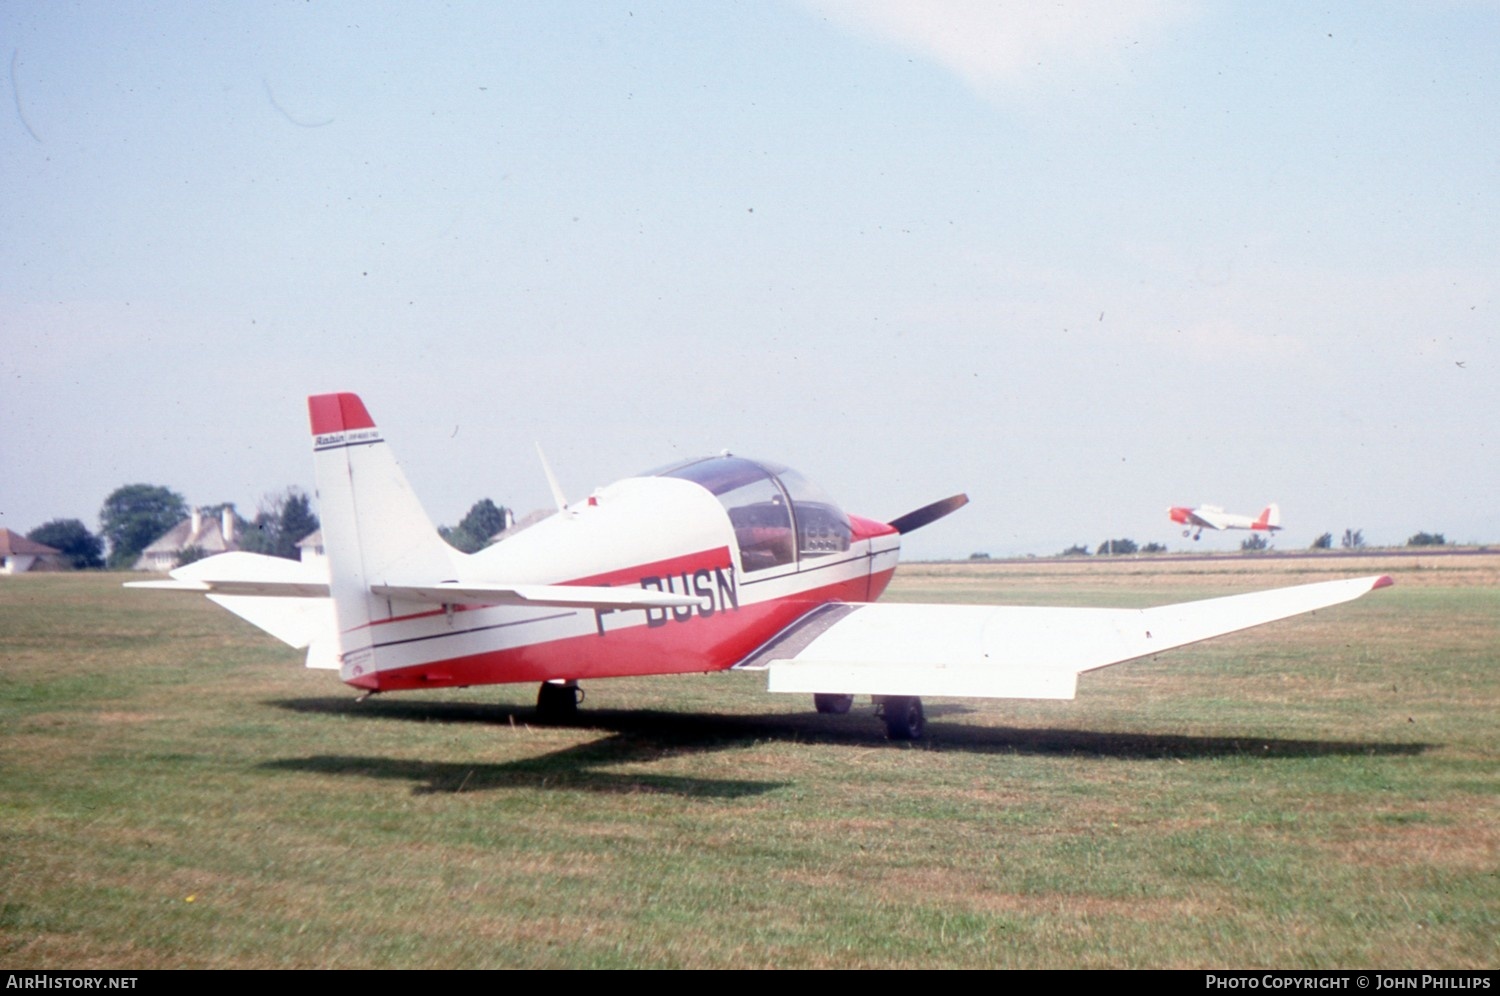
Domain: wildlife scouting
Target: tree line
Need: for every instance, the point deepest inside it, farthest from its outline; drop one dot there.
(135, 515)
(1353, 539)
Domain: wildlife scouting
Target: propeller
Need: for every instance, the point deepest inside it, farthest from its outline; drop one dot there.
(927, 514)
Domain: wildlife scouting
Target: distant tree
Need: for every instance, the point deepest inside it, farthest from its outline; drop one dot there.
(1116, 547)
(296, 522)
(70, 537)
(1324, 542)
(474, 532)
(282, 520)
(484, 520)
(1353, 539)
(1253, 542)
(1153, 548)
(1076, 551)
(189, 554)
(979, 556)
(1420, 539)
(133, 516)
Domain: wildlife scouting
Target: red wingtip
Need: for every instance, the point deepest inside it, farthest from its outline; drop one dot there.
(331, 413)
(1384, 581)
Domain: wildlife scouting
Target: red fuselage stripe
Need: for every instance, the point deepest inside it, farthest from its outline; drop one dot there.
(665, 645)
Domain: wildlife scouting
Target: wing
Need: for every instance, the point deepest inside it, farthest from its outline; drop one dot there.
(1008, 651)
(1209, 517)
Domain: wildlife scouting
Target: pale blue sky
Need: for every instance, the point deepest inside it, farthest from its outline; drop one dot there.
(1083, 261)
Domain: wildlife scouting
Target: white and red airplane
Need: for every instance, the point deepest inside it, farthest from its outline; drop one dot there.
(1213, 517)
(707, 565)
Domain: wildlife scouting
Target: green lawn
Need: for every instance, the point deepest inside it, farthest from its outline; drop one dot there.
(179, 792)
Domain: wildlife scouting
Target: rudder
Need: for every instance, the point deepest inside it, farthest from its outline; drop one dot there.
(375, 530)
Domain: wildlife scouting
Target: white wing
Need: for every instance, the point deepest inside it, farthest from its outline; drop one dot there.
(1008, 651)
(1210, 517)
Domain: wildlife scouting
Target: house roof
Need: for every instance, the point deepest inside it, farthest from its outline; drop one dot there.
(13, 544)
(209, 537)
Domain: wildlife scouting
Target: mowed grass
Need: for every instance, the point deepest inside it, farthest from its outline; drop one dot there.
(179, 792)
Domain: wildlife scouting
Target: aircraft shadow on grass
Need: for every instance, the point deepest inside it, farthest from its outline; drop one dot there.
(576, 769)
(645, 736)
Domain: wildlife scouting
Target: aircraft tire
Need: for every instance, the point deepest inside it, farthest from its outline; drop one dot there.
(557, 701)
(903, 717)
(832, 704)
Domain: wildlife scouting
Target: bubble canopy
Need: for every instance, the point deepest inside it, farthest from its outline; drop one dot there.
(779, 516)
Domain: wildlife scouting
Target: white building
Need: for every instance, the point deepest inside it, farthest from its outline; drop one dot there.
(19, 555)
(211, 534)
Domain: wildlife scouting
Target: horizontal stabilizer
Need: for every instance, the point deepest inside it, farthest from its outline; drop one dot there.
(286, 598)
(574, 596)
(1015, 651)
(242, 573)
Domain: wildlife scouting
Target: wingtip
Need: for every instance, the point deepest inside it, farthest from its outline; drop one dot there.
(1384, 581)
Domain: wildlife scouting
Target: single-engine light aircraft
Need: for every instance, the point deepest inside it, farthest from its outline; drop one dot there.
(1213, 517)
(706, 565)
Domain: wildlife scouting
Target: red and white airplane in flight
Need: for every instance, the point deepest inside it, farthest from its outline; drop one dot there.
(1213, 517)
(708, 565)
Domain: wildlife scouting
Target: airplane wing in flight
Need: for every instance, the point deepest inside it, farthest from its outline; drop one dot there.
(1208, 517)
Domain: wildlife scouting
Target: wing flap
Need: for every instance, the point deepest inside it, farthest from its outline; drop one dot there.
(1017, 651)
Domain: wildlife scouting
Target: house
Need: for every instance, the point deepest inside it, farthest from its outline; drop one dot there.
(206, 534)
(19, 555)
(310, 548)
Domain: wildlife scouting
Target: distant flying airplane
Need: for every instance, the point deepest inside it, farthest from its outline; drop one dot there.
(706, 565)
(1213, 517)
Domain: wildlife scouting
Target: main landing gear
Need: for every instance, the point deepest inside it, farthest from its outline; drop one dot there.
(831, 704)
(558, 699)
(902, 714)
(903, 717)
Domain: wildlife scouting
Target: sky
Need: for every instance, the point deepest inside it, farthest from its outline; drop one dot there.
(1082, 261)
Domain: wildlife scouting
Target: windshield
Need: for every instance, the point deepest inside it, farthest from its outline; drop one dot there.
(779, 517)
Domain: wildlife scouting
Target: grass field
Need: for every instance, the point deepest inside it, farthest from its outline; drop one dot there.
(1322, 792)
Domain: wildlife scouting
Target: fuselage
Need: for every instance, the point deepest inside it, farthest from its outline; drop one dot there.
(754, 542)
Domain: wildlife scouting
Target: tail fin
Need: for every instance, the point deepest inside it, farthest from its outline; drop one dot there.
(374, 528)
(1270, 517)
